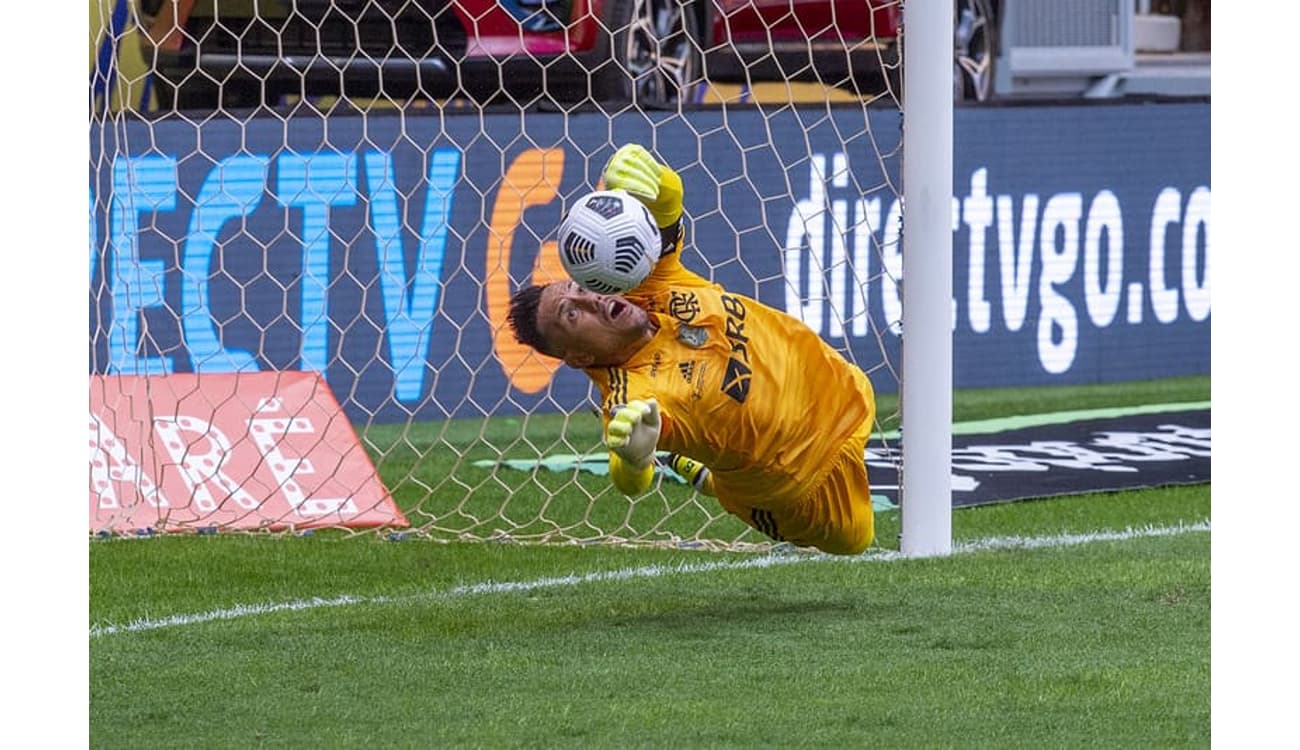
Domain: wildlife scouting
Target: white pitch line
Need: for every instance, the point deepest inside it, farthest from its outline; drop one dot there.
(649, 571)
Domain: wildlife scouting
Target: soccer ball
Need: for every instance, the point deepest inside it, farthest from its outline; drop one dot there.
(609, 242)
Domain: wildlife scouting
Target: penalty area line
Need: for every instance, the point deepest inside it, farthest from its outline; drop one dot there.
(486, 588)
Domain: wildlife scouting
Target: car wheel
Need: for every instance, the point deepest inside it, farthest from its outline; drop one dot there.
(654, 55)
(975, 37)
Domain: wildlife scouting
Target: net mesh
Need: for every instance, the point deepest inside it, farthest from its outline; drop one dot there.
(355, 188)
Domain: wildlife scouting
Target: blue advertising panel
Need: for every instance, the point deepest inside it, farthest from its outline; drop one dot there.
(380, 250)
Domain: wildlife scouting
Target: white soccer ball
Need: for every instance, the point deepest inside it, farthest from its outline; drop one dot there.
(609, 242)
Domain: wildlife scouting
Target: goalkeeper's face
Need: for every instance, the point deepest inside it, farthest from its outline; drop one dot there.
(587, 329)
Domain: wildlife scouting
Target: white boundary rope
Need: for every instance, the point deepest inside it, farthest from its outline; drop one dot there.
(649, 571)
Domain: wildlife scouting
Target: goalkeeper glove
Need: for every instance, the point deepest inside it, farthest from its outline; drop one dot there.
(633, 169)
(634, 431)
(631, 438)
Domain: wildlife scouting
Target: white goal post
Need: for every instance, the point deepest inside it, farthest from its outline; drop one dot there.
(926, 384)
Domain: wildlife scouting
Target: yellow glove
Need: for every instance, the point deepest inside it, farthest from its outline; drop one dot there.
(631, 438)
(633, 169)
(633, 433)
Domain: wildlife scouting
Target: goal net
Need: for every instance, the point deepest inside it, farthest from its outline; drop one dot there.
(355, 188)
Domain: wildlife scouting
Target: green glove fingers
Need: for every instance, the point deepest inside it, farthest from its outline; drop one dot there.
(620, 429)
(625, 420)
(634, 169)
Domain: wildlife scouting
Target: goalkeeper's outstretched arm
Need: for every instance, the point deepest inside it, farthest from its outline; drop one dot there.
(631, 437)
(658, 186)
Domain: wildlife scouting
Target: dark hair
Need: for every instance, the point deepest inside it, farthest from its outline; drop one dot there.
(523, 318)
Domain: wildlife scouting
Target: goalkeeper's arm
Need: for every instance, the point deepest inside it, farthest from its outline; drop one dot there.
(631, 437)
(658, 186)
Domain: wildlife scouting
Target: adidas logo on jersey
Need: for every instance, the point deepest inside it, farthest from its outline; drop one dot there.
(687, 369)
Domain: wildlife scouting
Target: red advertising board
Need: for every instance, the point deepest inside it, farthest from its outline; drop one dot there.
(264, 450)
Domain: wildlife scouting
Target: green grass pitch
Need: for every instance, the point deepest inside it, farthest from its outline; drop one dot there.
(344, 640)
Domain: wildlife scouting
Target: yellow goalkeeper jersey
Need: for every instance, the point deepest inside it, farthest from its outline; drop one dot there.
(746, 389)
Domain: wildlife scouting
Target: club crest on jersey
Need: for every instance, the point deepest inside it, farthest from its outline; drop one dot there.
(692, 336)
(684, 306)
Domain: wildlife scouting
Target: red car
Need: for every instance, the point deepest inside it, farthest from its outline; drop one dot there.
(247, 53)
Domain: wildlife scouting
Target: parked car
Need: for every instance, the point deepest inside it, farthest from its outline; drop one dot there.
(246, 53)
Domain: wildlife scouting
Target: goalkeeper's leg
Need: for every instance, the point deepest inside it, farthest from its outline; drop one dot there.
(695, 473)
(836, 517)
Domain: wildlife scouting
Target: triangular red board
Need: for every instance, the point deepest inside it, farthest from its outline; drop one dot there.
(193, 452)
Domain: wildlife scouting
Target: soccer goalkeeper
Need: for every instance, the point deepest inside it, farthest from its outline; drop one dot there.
(753, 407)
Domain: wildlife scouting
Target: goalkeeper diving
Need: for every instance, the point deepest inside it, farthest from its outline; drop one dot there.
(750, 404)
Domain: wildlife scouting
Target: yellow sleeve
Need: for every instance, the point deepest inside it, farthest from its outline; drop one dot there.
(628, 479)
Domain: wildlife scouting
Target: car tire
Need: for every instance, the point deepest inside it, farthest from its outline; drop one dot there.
(975, 49)
(652, 53)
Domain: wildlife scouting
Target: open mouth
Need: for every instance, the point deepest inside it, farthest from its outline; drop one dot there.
(616, 308)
